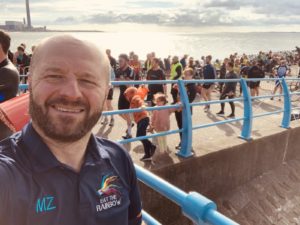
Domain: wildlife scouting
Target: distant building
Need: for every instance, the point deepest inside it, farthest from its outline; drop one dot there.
(22, 26)
(29, 26)
(14, 26)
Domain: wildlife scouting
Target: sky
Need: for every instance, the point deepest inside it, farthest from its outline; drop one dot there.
(169, 15)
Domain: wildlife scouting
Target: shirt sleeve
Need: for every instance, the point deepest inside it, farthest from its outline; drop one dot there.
(5, 213)
(117, 75)
(6, 79)
(179, 72)
(153, 118)
(163, 75)
(136, 102)
(148, 75)
(131, 74)
(215, 73)
(135, 207)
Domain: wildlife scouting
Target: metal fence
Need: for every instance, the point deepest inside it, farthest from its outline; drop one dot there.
(195, 206)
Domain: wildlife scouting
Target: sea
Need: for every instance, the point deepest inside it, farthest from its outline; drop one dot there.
(219, 45)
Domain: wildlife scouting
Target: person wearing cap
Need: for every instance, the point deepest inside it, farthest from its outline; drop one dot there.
(55, 171)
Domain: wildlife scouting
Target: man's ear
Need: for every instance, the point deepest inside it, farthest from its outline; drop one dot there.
(29, 81)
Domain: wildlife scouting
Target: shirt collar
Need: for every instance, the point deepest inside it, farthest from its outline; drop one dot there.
(4, 63)
(42, 159)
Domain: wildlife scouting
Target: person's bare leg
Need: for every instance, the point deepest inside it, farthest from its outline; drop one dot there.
(204, 93)
(274, 92)
(127, 118)
(280, 91)
(110, 108)
(208, 94)
(104, 118)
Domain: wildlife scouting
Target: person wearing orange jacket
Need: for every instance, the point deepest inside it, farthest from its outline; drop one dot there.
(141, 119)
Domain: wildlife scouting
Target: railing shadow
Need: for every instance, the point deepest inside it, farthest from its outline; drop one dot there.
(224, 127)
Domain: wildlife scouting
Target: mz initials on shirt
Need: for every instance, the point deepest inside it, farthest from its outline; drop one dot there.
(45, 204)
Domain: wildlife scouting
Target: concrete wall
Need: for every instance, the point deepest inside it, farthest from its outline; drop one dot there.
(218, 173)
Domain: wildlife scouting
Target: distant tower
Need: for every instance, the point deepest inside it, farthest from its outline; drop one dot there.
(28, 15)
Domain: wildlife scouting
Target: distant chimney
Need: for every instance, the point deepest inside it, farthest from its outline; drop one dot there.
(28, 14)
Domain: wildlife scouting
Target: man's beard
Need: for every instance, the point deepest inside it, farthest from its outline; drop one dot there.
(63, 130)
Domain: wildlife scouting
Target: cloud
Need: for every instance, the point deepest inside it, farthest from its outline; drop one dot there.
(232, 5)
(153, 4)
(279, 8)
(110, 17)
(66, 20)
(189, 18)
(189, 13)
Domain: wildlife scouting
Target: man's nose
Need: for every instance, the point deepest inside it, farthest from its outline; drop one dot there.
(71, 89)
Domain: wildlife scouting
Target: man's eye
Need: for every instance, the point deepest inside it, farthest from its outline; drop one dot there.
(85, 81)
(54, 77)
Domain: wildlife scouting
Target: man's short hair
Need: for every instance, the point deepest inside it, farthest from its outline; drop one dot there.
(124, 56)
(23, 45)
(160, 97)
(156, 60)
(189, 70)
(230, 64)
(209, 57)
(21, 48)
(4, 41)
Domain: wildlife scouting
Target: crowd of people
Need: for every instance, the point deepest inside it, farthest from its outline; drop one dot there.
(128, 67)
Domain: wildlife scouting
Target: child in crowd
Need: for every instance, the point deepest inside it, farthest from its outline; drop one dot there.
(160, 121)
(141, 119)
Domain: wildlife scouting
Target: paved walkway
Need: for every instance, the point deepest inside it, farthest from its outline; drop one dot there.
(205, 140)
(272, 198)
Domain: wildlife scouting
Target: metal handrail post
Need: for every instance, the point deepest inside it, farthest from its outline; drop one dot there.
(194, 206)
(149, 219)
(248, 114)
(286, 120)
(186, 142)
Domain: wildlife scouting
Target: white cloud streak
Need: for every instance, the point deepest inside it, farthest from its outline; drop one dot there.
(189, 13)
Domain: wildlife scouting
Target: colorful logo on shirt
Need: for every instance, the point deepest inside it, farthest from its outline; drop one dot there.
(107, 186)
(109, 193)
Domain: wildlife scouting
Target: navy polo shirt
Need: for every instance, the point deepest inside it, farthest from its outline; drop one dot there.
(209, 72)
(36, 189)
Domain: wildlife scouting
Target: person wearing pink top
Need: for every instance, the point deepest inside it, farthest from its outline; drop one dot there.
(160, 121)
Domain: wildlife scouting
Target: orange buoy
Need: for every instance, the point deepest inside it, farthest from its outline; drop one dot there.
(14, 113)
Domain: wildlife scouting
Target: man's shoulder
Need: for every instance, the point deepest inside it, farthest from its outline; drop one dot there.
(207, 66)
(7, 159)
(9, 69)
(114, 150)
(5, 148)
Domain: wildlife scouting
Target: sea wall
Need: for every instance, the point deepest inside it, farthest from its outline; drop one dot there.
(216, 174)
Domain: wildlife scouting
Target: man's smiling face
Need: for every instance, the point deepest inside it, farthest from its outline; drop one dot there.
(68, 87)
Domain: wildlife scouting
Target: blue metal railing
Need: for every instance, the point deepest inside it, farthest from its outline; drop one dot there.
(195, 206)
